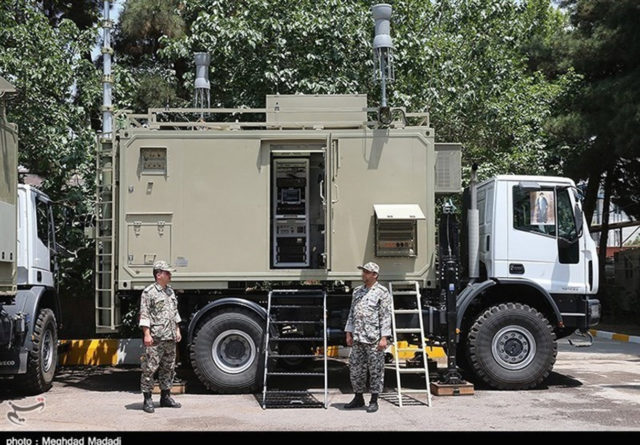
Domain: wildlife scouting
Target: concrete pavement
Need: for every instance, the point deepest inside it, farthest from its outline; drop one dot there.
(595, 388)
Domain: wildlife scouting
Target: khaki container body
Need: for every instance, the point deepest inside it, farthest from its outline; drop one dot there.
(204, 200)
(8, 195)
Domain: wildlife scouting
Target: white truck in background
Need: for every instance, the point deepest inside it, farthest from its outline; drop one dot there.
(29, 304)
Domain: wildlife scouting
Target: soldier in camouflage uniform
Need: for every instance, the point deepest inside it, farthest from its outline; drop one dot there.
(159, 320)
(368, 332)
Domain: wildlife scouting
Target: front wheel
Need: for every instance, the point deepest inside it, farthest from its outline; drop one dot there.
(511, 346)
(225, 353)
(43, 357)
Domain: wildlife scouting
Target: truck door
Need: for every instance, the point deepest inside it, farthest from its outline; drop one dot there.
(543, 242)
(570, 274)
(43, 242)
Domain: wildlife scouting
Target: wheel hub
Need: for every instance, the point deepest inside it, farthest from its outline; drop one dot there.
(233, 351)
(513, 347)
(47, 350)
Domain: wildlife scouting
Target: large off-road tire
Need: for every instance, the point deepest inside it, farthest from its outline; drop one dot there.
(294, 348)
(511, 346)
(227, 351)
(42, 360)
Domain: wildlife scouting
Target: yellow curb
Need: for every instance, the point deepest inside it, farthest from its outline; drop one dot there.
(89, 352)
(620, 337)
(615, 336)
(432, 351)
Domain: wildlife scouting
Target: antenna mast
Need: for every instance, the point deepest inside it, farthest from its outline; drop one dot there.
(383, 56)
(202, 84)
(107, 78)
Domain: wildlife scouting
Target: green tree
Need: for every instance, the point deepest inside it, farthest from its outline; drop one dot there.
(58, 88)
(142, 79)
(477, 65)
(599, 120)
(84, 13)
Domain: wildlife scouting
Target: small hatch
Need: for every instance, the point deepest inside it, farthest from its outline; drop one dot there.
(398, 211)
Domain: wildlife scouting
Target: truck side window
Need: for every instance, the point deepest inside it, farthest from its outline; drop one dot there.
(534, 211)
(42, 216)
(566, 220)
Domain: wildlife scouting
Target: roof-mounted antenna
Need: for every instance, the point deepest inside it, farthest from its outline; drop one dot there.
(383, 56)
(202, 98)
(107, 78)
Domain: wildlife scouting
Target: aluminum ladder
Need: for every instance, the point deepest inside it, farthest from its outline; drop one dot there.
(405, 289)
(299, 302)
(107, 316)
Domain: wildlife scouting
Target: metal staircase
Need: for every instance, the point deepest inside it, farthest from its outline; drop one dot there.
(282, 304)
(107, 307)
(407, 289)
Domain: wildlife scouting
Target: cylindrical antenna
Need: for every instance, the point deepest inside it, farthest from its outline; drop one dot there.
(202, 85)
(107, 78)
(382, 51)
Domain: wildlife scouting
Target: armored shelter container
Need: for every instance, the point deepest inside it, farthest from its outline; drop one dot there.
(306, 195)
(8, 195)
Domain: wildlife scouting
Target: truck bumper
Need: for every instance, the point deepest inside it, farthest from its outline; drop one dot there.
(593, 312)
(13, 361)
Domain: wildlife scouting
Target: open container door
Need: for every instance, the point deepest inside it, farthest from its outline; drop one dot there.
(330, 196)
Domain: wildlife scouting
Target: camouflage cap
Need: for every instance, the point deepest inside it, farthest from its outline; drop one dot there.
(371, 267)
(163, 265)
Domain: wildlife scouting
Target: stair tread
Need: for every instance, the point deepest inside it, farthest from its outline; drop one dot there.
(412, 370)
(295, 338)
(296, 321)
(295, 355)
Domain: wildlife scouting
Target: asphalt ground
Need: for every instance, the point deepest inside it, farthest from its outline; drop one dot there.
(595, 388)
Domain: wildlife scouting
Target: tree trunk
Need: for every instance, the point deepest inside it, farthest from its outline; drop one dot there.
(591, 196)
(604, 232)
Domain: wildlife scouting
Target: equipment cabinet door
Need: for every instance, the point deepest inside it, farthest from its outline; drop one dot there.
(302, 214)
(330, 195)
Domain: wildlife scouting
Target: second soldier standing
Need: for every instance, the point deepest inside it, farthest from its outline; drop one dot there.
(159, 320)
(368, 333)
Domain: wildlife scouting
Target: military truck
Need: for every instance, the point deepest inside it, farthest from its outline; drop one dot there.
(244, 202)
(304, 196)
(29, 304)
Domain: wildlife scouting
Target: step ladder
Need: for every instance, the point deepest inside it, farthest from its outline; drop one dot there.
(313, 304)
(107, 316)
(406, 289)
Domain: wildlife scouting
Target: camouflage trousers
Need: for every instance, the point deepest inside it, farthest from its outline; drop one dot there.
(365, 358)
(161, 357)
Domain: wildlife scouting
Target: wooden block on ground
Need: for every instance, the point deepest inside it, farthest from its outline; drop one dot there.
(442, 389)
(179, 387)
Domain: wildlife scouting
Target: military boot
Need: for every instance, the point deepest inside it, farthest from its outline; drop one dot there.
(373, 404)
(147, 406)
(357, 402)
(166, 401)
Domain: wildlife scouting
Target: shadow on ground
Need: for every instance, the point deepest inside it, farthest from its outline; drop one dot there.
(127, 379)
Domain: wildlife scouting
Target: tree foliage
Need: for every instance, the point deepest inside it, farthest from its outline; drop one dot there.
(58, 87)
(476, 65)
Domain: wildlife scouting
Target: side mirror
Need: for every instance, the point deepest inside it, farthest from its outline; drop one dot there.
(579, 218)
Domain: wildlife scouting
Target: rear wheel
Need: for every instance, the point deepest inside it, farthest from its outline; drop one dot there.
(43, 357)
(297, 349)
(511, 346)
(226, 352)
